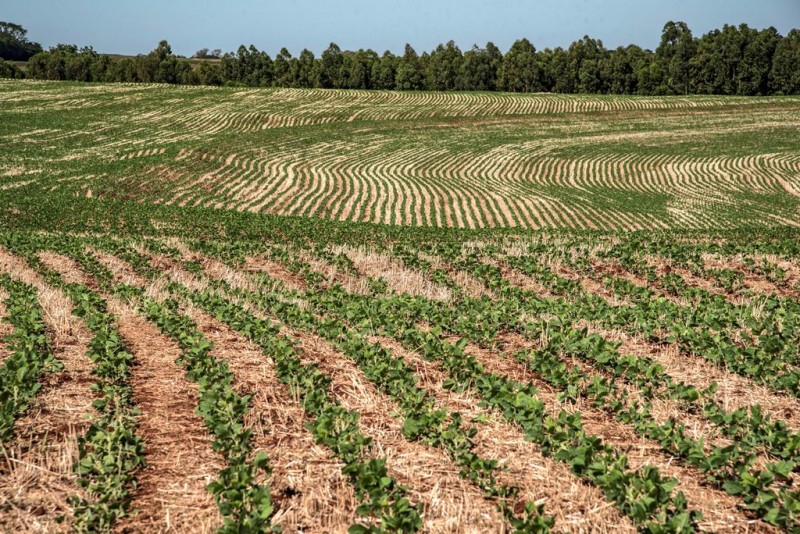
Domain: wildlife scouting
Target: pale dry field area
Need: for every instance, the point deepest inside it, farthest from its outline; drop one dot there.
(463, 160)
(478, 376)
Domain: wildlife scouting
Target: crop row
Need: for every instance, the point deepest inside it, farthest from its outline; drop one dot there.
(725, 464)
(110, 452)
(30, 353)
(644, 496)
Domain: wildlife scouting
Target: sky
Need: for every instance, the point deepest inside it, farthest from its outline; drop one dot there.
(132, 27)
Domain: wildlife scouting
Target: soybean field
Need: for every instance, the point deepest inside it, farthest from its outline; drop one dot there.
(239, 310)
(463, 160)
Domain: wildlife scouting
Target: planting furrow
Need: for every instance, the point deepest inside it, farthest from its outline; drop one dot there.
(398, 278)
(5, 326)
(718, 409)
(42, 456)
(238, 490)
(448, 502)
(731, 391)
(784, 498)
(721, 509)
(600, 302)
(30, 353)
(674, 520)
(380, 495)
(757, 432)
(576, 506)
(309, 490)
(442, 435)
(721, 512)
(110, 451)
(180, 463)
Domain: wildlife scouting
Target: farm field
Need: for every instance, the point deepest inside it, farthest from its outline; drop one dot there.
(463, 160)
(531, 383)
(339, 311)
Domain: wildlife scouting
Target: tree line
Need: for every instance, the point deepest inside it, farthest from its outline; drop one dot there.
(734, 60)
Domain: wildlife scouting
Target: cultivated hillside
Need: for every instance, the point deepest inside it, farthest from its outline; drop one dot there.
(466, 160)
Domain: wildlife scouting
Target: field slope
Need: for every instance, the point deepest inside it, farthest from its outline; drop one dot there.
(465, 160)
(594, 384)
(202, 327)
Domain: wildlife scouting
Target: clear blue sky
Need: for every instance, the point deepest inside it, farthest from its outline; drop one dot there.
(130, 27)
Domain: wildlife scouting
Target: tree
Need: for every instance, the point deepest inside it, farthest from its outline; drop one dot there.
(480, 68)
(204, 53)
(734, 60)
(167, 71)
(358, 68)
(163, 51)
(588, 61)
(384, 71)
(625, 64)
(261, 69)
(707, 67)
(409, 71)
(78, 65)
(14, 45)
(9, 70)
(149, 69)
(68, 62)
(444, 66)
(47, 66)
(210, 74)
(785, 74)
(307, 72)
(122, 70)
(675, 53)
(757, 58)
(495, 62)
(563, 78)
(13, 31)
(249, 67)
(283, 69)
(650, 76)
(331, 72)
(520, 70)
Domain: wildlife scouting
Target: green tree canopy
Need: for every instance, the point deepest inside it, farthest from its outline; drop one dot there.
(785, 75)
(520, 70)
(14, 44)
(675, 54)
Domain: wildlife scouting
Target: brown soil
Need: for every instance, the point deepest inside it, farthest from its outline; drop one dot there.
(350, 283)
(36, 468)
(449, 503)
(720, 511)
(171, 493)
(469, 285)
(5, 327)
(309, 490)
(789, 287)
(733, 391)
(171, 490)
(662, 409)
(576, 506)
(521, 280)
(277, 271)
